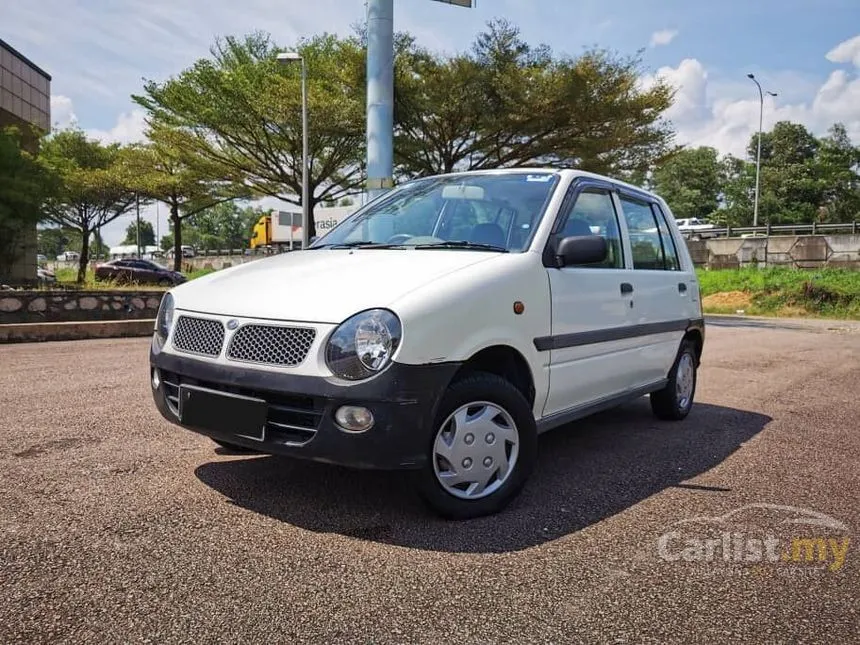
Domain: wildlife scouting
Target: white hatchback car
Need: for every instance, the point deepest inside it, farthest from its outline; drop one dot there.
(440, 328)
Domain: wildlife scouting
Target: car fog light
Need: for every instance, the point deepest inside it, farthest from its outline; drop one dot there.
(354, 418)
(156, 379)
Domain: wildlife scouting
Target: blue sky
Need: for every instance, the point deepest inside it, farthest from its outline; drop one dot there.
(808, 51)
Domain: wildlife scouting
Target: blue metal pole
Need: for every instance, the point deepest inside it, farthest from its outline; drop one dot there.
(380, 96)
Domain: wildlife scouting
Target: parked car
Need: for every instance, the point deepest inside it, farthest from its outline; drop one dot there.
(441, 328)
(132, 270)
(696, 229)
(69, 256)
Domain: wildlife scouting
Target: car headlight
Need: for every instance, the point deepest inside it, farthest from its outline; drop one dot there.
(164, 319)
(363, 344)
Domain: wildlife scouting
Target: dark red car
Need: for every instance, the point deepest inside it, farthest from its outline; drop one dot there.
(132, 270)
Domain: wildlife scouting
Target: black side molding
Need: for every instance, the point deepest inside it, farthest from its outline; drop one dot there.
(562, 341)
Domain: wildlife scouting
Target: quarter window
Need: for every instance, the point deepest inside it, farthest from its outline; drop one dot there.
(670, 251)
(594, 214)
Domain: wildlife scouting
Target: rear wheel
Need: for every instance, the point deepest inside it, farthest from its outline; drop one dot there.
(482, 450)
(675, 401)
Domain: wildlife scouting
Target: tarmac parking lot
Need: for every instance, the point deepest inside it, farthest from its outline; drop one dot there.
(740, 524)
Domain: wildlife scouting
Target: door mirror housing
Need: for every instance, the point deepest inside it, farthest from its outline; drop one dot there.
(581, 249)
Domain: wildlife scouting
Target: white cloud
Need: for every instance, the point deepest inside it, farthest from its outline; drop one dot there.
(726, 116)
(663, 37)
(62, 111)
(129, 128)
(846, 52)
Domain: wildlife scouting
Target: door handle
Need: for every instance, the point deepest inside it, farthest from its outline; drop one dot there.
(682, 287)
(626, 287)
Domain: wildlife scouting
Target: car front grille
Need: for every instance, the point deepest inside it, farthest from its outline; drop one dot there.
(198, 336)
(271, 345)
(292, 419)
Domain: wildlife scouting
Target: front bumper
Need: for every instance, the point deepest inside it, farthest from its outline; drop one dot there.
(300, 418)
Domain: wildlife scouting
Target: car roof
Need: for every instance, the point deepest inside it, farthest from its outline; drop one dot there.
(561, 172)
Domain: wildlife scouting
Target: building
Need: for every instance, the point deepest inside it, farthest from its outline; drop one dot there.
(25, 100)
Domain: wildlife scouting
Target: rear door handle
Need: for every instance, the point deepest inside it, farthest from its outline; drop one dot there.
(682, 287)
(626, 287)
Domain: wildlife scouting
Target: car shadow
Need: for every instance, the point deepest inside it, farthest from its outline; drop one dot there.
(587, 471)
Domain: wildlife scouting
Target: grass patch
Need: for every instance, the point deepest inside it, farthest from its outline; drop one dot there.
(66, 280)
(778, 291)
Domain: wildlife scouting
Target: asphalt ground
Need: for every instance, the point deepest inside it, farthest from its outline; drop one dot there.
(117, 527)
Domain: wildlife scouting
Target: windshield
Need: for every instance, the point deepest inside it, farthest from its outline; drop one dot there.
(497, 211)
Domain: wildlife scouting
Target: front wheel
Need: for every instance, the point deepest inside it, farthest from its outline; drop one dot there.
(675, 401)
(482, 451)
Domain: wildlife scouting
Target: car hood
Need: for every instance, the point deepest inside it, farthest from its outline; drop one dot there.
(323, 285)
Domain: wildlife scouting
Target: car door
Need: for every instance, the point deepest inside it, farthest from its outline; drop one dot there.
(664, 291)
(589, 353)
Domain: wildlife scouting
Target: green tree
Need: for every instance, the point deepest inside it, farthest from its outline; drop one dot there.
(505, 102)
(791, 191)
(25, 185)
(241, 109)
(166, 169)
(839, 171)
(690, 181)
(737, 179)
(52, 241)
(94, 186)
(147, 234)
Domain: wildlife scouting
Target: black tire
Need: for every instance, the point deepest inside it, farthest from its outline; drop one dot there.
(666, 404)
(481, 387)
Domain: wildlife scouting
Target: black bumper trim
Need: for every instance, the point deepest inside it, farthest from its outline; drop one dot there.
(403, 400)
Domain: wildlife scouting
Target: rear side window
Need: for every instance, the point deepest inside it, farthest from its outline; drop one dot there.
(645, 240)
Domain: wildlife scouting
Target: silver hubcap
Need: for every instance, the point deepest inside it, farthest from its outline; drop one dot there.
(684, 380)
(475, 450)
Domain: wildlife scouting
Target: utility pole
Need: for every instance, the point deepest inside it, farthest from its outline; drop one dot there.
(380, 93)
(380, 96)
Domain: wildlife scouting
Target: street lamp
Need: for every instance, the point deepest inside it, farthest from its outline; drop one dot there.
(758, 155)
(285, 58)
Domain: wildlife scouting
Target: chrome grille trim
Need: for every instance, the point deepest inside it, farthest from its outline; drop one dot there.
(271, 344)
(198, 335)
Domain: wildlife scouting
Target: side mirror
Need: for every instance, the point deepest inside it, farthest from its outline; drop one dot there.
(584, 249)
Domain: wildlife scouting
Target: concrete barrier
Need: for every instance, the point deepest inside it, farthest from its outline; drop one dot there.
(78, 330)
(798, 251)
(37, 306)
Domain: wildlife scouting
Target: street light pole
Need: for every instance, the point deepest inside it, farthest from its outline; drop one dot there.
(285, 58)
(758, 154)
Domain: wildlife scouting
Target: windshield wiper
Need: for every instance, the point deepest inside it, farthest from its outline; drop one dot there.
(360, 245)
(462, 244)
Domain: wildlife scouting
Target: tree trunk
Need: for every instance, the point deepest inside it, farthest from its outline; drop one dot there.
(312, 226)
(97, 237)
(177, 237)
(85, 256)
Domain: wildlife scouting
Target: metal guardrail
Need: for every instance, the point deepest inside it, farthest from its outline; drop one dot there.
(850, 228)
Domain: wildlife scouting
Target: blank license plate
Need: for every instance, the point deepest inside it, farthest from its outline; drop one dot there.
(222, 412)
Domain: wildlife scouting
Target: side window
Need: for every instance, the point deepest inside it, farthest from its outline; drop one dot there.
(670, 251)
(645, 240)
(593, 213)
